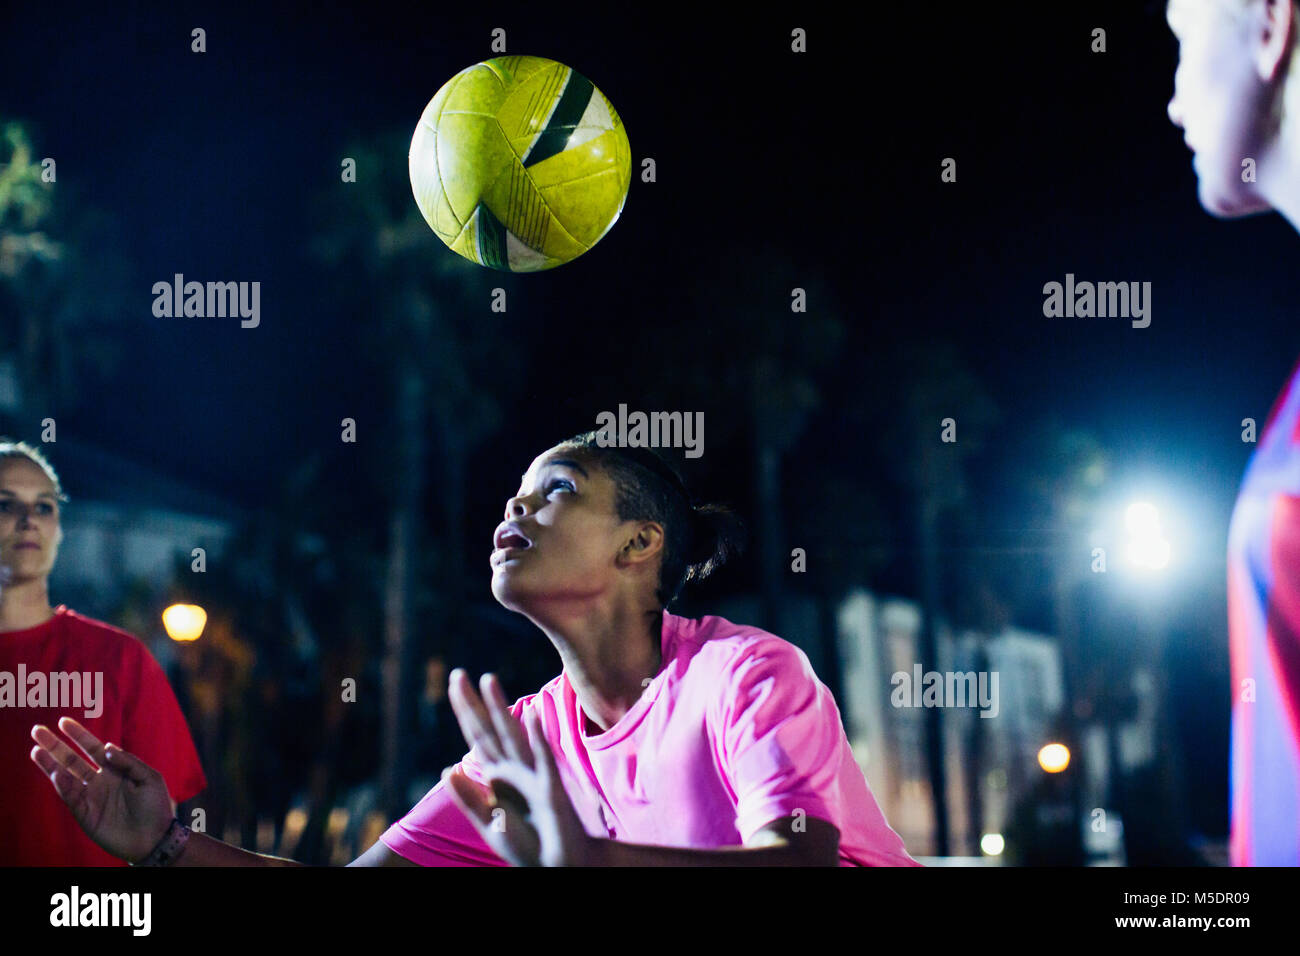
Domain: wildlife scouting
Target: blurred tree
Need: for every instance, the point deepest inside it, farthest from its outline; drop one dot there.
(1065, 480)
(297, 584)
(437, 345)
(64, 287)
(774, 360)
(909, 390)
(837, 517)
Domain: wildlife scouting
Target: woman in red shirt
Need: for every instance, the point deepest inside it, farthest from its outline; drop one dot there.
(54, 661)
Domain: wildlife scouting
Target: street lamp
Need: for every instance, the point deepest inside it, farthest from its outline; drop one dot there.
(1148, 549)
(184, 622)
(1054, 757)
(1148, 554)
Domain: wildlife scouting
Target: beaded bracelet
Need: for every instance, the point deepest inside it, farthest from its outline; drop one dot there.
(169, 847)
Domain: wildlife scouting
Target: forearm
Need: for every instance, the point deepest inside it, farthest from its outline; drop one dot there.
(615, 853)
(202, 850)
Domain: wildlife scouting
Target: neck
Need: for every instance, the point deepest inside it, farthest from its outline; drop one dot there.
(1278, 182)
(609, 653)
(24, 604)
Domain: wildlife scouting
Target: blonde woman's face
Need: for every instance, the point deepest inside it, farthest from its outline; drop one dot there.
(30, 532)
(1219, 102)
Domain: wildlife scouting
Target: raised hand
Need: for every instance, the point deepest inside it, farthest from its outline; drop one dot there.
(119, 800)
(527, 818)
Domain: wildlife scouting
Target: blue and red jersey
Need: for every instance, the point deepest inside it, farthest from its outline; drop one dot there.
(1264, 644)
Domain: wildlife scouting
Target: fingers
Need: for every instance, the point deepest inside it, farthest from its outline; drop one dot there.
(83, 738)
(67, 758)
(69, 788)
(508, 730)
(53, 756)
(129, 765)
(545, 757)
(475, 723)
(467, 795)
(541, 749)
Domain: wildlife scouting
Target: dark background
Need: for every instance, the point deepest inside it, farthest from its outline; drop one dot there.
(218, 165)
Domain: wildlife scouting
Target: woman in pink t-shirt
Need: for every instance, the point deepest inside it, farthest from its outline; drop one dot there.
(663, 741)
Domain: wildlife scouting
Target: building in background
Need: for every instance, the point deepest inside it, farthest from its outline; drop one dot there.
(994, 779)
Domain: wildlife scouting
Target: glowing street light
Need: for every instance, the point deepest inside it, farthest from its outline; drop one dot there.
(1148, 548)
(1054, 758)
(184, 622)
(1142, 517)
(992, 844)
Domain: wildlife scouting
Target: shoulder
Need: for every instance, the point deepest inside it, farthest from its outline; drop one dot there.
(752, 681)
(102, 637)
(729, 652)
(549, 692)
(82, 623)
(544, 702)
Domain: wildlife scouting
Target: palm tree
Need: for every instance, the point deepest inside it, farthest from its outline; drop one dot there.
(909, 389)
(775, 360)
(432, 342)
(63, 280)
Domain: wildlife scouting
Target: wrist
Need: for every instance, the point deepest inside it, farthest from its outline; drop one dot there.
(158, 834)
(169, 846)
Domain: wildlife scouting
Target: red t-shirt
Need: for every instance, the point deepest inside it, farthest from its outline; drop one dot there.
(131, 703)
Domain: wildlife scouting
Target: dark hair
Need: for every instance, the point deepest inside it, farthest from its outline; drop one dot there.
(698, 539)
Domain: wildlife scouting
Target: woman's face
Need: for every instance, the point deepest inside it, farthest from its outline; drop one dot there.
(561, 538)
(30, 533)
(1219, 101)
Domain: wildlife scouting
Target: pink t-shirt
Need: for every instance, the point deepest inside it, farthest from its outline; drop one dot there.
(734, 732)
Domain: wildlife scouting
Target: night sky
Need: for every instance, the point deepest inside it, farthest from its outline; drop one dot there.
(1067, 163)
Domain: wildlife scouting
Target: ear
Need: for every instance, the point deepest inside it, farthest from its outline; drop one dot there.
(1278, 32)
(644, 546)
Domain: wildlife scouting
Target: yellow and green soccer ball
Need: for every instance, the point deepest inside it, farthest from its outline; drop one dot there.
(520, 164)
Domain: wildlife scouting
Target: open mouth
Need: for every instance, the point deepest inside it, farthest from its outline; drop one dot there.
(509, 537)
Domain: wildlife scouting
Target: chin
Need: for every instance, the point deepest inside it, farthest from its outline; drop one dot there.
(1225, 204)
(506, 593)
(11, 575)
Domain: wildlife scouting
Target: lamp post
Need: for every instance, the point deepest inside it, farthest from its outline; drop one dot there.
(1148, 554)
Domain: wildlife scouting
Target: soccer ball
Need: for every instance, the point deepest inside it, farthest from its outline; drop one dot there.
(519, 163)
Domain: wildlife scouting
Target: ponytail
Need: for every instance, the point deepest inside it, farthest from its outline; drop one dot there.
(717, 535)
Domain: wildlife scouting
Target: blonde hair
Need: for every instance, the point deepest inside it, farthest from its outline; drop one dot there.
(20, 449)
